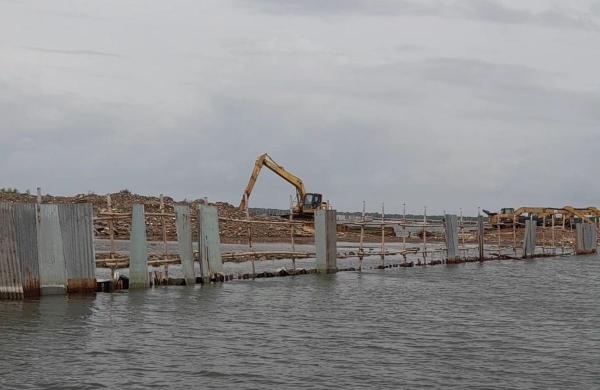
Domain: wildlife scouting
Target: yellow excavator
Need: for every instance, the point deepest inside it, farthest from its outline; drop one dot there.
(306, 203)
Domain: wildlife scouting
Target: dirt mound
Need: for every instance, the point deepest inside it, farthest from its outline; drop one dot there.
(230, 231)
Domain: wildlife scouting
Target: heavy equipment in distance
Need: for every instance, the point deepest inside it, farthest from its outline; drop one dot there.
(306, 202)
(506, 217)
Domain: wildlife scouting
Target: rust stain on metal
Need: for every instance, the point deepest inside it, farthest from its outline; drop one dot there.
(78, 246)
(81, 286)
(10, 275)
(27, 248)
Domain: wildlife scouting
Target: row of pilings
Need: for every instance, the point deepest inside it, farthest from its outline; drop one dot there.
(49, 249)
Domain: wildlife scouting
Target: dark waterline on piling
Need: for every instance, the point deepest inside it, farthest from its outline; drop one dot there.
(501, 324)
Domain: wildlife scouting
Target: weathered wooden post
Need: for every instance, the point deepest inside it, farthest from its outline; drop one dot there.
(183, 223)
(462, 228)
(553, 234)
(111, 234)
(451, 228)
(544, 234)
(291, 233)
(163, 223)
(514, 223)
(361, 250)
(480, 236)
(138, 251)
(425, 235)
(404, 227)
(382, 235)
(326, 241)
(249, 231)
(499, 232)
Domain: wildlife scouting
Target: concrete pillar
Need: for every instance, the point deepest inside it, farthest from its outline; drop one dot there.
(451, 225)
(209, 242)
(184, 242)
(592, 237)
(76, 223)
(530, 239)
(138, 251)
(53, 277)
(586, 238)
(326, 241)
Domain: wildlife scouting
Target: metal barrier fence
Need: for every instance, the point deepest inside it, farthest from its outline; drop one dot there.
(46, 249)
(49, 248)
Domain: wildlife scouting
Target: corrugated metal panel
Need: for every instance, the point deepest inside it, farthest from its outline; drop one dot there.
(76, 224)
(53, 278)
(530, 239)
(10, 275)
(138, 253)
(183, 223)
(451, 223)
(209, 245)
(27, 248)
(326, 240)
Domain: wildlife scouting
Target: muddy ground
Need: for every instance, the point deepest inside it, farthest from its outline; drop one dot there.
(237, 232)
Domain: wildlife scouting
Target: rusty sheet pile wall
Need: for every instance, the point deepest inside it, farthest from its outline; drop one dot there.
(78, 246)
(19, 266)
(27, 248)
(10, 274)
(46, 249)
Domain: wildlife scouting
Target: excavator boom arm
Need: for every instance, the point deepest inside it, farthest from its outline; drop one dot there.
(267, 161)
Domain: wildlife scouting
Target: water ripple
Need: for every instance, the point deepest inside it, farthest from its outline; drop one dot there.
(500, 325)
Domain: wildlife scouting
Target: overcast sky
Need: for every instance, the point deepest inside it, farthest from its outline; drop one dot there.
(449, 104)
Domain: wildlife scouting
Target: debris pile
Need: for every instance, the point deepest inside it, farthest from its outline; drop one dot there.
(230, 231)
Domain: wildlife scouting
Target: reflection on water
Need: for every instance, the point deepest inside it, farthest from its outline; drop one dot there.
(510, 324)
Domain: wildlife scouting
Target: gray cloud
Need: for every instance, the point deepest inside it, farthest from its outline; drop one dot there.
(439, 112)
(74, 52)
(478, 10)
(494, 11)
(338, 7)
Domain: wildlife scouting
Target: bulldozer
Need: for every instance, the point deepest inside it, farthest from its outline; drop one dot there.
(306, 202)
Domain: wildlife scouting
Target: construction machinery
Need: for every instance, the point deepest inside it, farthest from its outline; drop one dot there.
(507, 216)
(306, 202)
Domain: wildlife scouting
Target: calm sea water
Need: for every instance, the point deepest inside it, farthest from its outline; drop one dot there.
(497, 325)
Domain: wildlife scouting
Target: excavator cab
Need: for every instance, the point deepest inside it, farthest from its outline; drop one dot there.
(312, 202)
